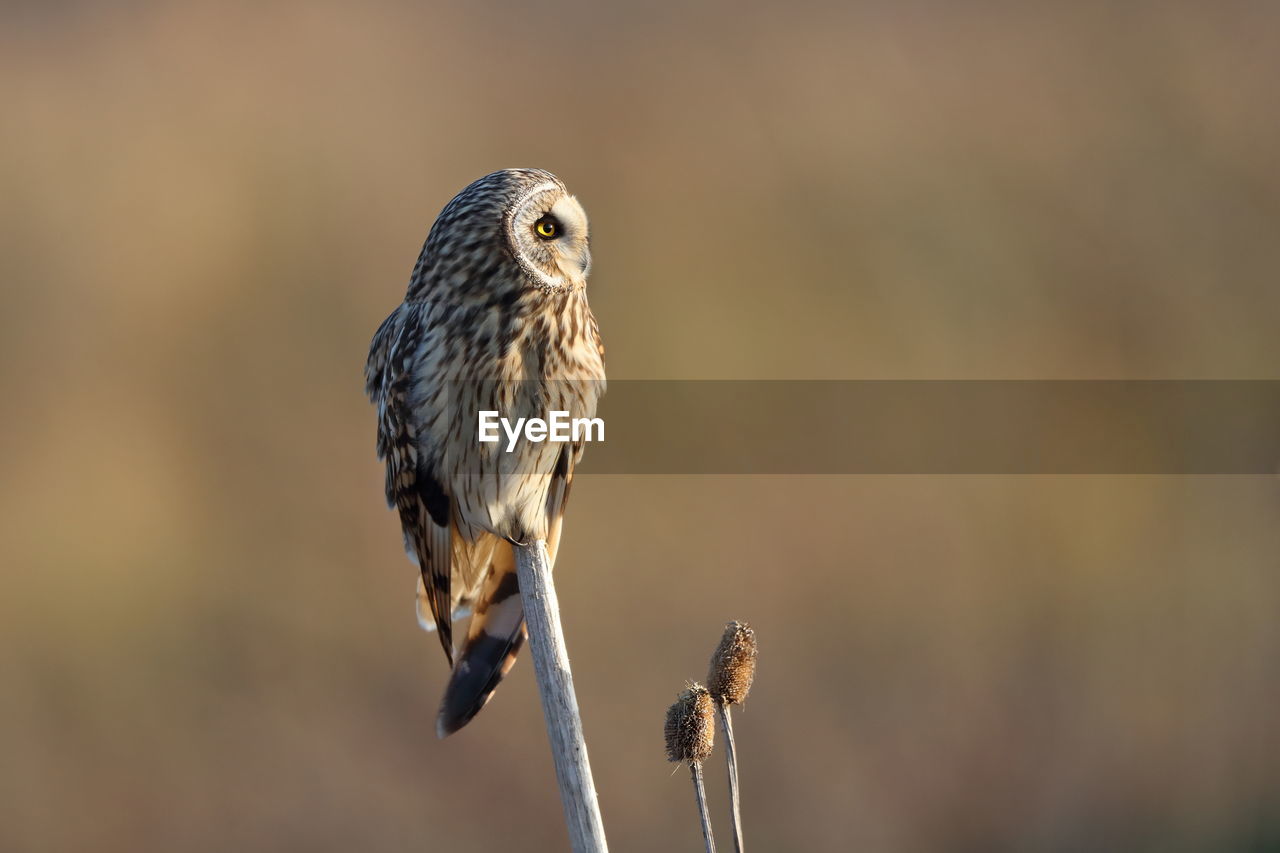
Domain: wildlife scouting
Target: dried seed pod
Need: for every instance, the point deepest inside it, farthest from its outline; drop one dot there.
(691, 725)
(733, 666)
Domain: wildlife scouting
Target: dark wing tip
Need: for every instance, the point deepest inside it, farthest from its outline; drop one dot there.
(484, 662)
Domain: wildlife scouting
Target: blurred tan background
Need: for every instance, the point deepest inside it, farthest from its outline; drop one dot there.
(208, 640)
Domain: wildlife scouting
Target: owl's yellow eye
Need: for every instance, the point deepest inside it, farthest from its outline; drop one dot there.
(547, 228)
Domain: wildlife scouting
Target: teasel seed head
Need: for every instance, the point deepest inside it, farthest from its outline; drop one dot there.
(733, 665)
(691, 725)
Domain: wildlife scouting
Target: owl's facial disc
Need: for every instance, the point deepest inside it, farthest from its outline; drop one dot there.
(547, 230)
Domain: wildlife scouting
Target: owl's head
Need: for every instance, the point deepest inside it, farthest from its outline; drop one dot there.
(510, 231)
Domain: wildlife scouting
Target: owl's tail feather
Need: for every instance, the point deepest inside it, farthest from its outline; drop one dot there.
(494, 639)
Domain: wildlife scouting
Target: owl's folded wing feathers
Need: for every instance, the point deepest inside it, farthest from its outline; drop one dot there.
(412, 487)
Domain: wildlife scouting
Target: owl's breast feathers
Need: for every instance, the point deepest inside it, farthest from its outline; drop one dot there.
(432, 368)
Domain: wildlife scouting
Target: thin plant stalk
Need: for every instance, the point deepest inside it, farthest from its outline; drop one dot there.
(731, 760)
(733, 669)
(695, 767)
(690, 732)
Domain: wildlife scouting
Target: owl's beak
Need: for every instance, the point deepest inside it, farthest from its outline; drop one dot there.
(575, 271)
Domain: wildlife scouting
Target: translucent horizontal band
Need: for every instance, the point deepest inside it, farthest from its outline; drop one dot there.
(931, 427)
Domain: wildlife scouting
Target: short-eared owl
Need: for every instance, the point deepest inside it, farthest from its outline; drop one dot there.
(495, 319)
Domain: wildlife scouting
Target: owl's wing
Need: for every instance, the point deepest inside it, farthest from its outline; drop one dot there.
(413, 488)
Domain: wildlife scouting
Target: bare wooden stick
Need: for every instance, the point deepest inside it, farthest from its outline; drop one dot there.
(703, 813)
(559, 702)
(731, 759)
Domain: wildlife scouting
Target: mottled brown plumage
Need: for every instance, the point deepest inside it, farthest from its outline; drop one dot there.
(495, 319)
